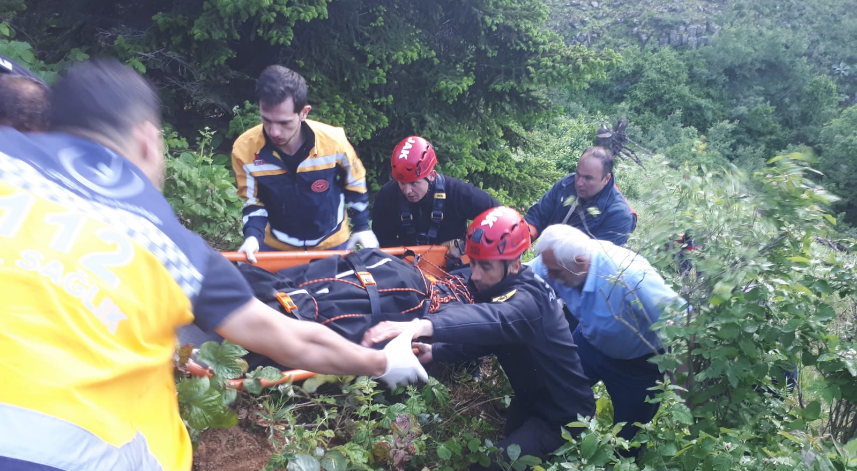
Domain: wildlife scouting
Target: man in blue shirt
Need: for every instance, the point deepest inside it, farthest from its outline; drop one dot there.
(616, 296)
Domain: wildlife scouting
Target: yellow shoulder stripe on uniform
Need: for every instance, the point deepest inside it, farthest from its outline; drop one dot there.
(504, 297)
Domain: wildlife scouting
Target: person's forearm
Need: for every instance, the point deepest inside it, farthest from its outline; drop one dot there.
(304, 345)
(327, 352)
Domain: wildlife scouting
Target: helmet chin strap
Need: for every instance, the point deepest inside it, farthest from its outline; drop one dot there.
(505, 270)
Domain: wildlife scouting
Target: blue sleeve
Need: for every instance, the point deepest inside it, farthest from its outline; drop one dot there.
(538, 267)
(255, 219)
(539, 215)
(358, 209)
(223, 291)
(654, 295)
(616, 227)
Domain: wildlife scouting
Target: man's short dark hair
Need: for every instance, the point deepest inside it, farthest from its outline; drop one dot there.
(604, 155)
(277, 84)
(103, 97)
(24, 103)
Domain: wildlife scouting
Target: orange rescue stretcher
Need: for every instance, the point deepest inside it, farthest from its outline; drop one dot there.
(431, 259)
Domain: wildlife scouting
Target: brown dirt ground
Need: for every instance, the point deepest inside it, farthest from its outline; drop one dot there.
(244, 448)
(233, 449)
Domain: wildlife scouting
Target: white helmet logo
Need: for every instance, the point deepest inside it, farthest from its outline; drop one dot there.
(409, 144)
(492, 217)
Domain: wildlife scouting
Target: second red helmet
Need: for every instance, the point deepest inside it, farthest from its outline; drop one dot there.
(498, 234)
(413, 159)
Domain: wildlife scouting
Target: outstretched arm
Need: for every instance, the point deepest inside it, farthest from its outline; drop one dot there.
(304, 345)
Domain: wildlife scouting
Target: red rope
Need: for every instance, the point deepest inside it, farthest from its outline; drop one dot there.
(330, 279)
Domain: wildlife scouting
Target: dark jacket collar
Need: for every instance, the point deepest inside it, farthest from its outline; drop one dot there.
(500, 288)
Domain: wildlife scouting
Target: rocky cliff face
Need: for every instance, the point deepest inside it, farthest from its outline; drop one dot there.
(618, 24)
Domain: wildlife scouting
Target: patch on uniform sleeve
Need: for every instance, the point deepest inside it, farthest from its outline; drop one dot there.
(504, 297)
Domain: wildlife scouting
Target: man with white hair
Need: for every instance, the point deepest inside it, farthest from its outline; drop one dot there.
(616, 296)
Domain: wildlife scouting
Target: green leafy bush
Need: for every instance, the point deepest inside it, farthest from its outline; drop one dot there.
(201, 190)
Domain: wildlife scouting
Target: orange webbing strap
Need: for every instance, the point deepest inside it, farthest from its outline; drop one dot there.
(287, 303)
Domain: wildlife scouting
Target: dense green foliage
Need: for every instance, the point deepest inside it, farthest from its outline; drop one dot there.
(773, 77)
(510, 107)
(470, 76)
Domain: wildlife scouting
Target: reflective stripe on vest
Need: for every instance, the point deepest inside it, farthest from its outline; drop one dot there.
(34, 437)
(294, 241)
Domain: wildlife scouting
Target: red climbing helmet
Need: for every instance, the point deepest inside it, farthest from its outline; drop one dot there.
(498, 234)
(413, 159)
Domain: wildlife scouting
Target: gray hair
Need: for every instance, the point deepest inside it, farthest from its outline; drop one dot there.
(567, 244)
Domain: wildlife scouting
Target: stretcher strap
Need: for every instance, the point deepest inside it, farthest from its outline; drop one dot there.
(366, 279)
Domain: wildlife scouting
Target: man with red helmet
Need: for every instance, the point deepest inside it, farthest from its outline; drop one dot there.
(421, 206)
(517, 318)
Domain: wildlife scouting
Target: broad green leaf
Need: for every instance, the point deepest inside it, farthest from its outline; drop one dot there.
(604, 409)
(443, 452)
(530, 461)
(221, 358)
(682, 414)
(588, 446)
(747, 346)
(823, 287)
(851, 447)
(812, 411)
(473, 445)
(253, 386)
(199, 403)
(790, 437)
(333, 461)
(722, 462)
(435, 390)
(302, 462)
(312, 384)
(225, 418)
(728, 331)
(514, 451)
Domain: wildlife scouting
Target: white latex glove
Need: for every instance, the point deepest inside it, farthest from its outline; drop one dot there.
(402, 365)
(366, 239)
(250, 247)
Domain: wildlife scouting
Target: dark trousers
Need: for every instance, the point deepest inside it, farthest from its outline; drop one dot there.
(627, 381)
(535, 436)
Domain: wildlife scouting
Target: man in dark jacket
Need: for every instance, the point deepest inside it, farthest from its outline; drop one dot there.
(421, 206)
(517, 318)
(588, 200)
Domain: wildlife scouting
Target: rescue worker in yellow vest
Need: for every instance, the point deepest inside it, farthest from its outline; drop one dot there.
(296, 176)
(98, 274)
